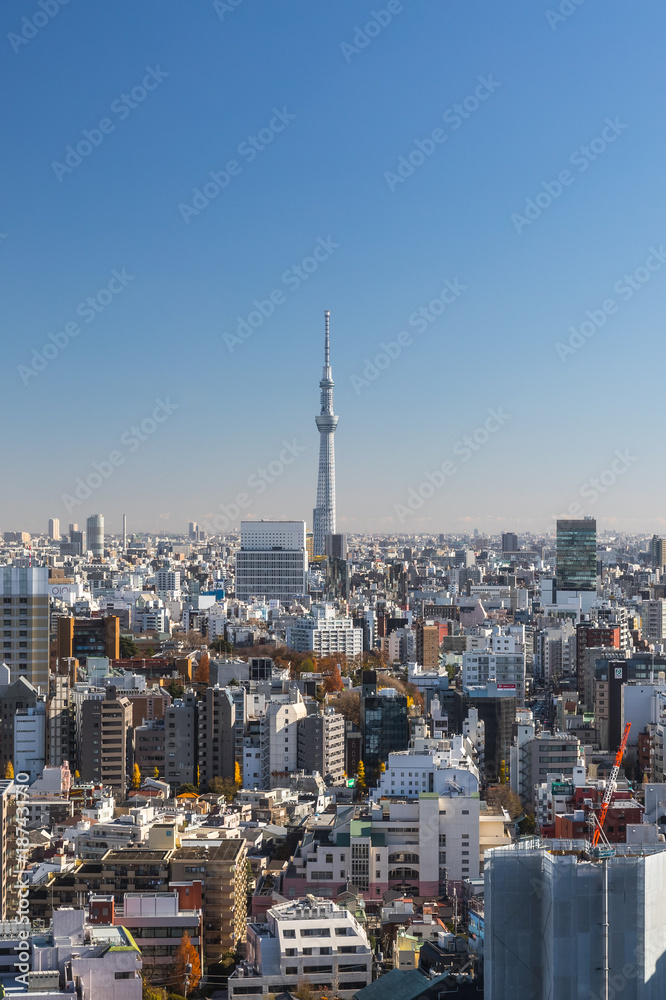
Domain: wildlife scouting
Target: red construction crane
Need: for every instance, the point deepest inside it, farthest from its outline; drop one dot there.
(611, 784)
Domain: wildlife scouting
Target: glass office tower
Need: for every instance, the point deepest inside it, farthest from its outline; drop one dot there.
(576, 555)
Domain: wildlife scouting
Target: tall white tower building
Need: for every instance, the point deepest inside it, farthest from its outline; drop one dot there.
(323, 519)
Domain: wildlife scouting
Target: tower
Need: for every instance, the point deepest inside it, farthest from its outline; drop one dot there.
(323, 518)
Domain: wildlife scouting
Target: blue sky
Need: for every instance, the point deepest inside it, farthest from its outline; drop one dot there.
(346, 118)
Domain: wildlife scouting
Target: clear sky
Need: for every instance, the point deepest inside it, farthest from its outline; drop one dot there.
(181, 89)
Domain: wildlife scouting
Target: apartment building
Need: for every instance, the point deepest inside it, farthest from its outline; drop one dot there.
(106, 730)
(321, 745)
(181, 741)
(278, 737)
(217, 743)
(221, 867)
(507, 669)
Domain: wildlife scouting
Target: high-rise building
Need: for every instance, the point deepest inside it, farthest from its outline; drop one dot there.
(8, 859)
(323, 520)
(279, 739)
(84, 637)
(181, 741)
(217, 718)
(60, 718)
(95, 532)
(427, 644)
(24, 595)
(15, 697)
(54, 529)
(335, 546)
(192, 531)
(509, 541)
(653, 620)
(384, 723)
(657, 552)
(272, 561)
(321, 745)
(30, 740)
(560, 923)
(576, 573)
(105, 734)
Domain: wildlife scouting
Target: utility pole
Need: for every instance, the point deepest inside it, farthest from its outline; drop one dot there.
(188, 973)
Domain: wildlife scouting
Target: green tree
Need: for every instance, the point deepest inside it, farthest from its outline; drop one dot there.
(128, 647)
(175, 688)
(221, 646)
(187, 788)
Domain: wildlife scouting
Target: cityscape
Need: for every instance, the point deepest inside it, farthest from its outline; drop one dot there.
(332, 559)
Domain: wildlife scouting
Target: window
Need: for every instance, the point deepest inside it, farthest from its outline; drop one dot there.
(291, 970)
(288, 933)
(290, 952)
(307, 951)
(315, 932)
(123, 975)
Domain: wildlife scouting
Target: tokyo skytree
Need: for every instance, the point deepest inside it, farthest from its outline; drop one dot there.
(323, 519)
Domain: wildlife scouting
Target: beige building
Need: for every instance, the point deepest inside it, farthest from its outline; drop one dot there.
(222, 867)
(8, 898)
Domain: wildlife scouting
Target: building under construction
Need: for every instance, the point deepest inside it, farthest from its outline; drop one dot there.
(566, 920)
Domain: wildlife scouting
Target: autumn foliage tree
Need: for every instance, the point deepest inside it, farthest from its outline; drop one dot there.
(9, 770)
(136, 777)
(360, 776)
(185, 955)
(333, 681)
(238, 777)
(202, 674)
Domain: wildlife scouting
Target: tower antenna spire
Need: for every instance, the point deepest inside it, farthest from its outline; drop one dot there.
(327, 320)
(323, 520)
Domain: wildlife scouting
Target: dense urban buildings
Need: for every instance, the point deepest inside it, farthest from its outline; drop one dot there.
(372, 729)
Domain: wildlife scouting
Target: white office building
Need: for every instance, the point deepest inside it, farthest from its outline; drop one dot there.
(279, 738)
(272, 561)
(442, 766)
(325, 634)
(312, 939)
(30, 740)
(508, 669)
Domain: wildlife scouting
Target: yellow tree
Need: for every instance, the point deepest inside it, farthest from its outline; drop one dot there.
(238, 777)
(203, 669)
(360, 776)
(136, 777)
(156, 772)
(186, 955)
(9, 770)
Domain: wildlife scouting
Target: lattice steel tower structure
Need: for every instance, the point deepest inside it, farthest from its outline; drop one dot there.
(323, 518)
